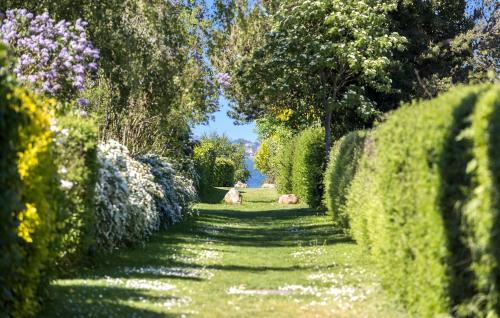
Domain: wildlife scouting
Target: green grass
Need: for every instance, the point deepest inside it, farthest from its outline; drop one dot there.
(259, 259)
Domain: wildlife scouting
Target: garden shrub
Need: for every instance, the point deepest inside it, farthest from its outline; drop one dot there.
(340, 171)
(482, 211)
(125, 199)
(178, 193)
(284, 163)
(136, 197)
(308, 166)
(204, 160)
(410, 202)
(78, 167)
(224, 170)
(29, 213)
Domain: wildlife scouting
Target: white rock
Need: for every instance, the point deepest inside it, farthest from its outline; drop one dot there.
(288, 199)
(233, 197)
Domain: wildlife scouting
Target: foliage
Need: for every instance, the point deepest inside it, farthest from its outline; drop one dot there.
(482, 210)
(308, 166)
(339, 173)
(224, 172)
(218, 161)
(56, 58)
(318, 57)
(76, 153)
(153, 79)
(413, 204)
(125, 199)
(204, 161)
(482, 41)
(284, 159)
(270, 159)
(177, 192)
(31, 211)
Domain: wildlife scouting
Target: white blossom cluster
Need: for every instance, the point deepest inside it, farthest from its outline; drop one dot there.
(135, 198)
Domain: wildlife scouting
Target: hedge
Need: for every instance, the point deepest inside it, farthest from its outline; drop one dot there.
(204, 161)
(424, 203)
(340, 171)
(308, 166)
(29, 213)
(224, 172)
(78, 166)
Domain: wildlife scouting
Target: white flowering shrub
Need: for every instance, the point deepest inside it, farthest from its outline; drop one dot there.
(177, 192)
(136, 197)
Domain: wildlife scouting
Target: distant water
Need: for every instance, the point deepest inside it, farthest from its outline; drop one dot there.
(256, 178)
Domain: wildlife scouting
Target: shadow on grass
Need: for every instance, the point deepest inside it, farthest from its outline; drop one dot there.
(102, 301)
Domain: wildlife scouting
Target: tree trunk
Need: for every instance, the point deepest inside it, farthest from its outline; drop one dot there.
(328, 126)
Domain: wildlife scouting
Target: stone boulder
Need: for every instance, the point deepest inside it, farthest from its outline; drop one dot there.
(241, 185)
(233, 197)
(268, 186)
(288, 199)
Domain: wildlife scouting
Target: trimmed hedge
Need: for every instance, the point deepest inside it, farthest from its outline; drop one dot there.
(204, 161)
(78, 168)
(340, 171)
(224, 172)
(284, 163)
(308, 166)
(483, 207)
(424, 203)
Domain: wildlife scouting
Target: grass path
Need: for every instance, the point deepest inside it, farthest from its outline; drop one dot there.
(255, 260)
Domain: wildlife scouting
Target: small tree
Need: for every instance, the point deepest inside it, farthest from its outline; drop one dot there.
(320, 56)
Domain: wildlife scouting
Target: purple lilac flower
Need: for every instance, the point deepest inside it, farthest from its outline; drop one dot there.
(54, 57)
(224, 80)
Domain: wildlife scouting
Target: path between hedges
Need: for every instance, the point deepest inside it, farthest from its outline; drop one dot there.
(255, 260)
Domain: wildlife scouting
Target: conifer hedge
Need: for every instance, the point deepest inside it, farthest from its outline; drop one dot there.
(342, 165)
(424, 202)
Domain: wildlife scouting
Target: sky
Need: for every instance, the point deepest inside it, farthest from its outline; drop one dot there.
(225, 125)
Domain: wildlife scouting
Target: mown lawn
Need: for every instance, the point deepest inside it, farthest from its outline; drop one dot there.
(259, 259)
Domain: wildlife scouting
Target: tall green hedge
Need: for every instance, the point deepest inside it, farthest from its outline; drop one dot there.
(78, 169)
(483, 207)
(308, 166)
(284, 163)
(423, 202)
(224, 172)
(340, 171)
(204, 161)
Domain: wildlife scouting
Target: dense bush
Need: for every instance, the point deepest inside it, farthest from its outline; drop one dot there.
(284, 164)
(424, 203)
(483, 207)
(135, 197)
(177, 194)
(270, 157)
(204, 161)
(308, 166)
(341, 169)
(30, 211)
(77, 166)
(224, 172)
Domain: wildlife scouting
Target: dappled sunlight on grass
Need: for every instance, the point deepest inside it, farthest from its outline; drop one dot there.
(257, 259)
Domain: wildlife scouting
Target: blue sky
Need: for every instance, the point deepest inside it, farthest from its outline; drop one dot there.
(225, 125)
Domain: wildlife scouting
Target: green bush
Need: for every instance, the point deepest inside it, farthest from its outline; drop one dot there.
(483, 207)
(29, 213)
(340, 171)
(284, 164)
(308, 166)
(411, 204)
(78, 167)
(224, 170)
(204, 161)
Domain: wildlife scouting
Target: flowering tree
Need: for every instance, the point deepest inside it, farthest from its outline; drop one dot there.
(54, 57)
(319, 58)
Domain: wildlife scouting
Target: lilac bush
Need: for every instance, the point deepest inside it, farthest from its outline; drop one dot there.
(224, 80)
(54, 57)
